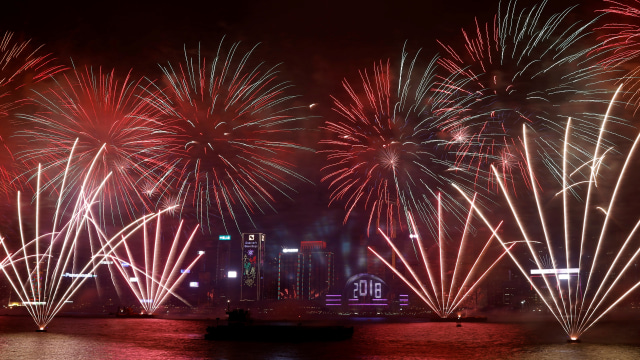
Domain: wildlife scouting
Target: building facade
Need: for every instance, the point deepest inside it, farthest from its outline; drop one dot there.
(307, 273)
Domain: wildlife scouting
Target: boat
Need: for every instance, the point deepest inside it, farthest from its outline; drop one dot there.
(240, 327)
(127, 312)
(472, 319)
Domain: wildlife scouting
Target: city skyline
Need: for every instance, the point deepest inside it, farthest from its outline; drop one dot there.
(304, 44)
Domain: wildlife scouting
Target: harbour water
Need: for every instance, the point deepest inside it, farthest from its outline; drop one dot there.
(113, 338)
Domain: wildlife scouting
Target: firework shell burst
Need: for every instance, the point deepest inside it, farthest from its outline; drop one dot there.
(583, 251)
(97, 109)
(619, 43)
(21, 65)
(235, 143)
(528, 66)
(384, 152)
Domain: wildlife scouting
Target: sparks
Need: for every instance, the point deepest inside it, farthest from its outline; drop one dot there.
(446, 290)
(524, 67)
(234, 143)
(154, 282)
(36, 270)
(583, 280)
(387, 153)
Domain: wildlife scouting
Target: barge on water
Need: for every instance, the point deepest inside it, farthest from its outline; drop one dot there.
(240, 327)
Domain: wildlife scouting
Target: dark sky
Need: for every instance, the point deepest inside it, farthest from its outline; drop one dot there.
(319, 44)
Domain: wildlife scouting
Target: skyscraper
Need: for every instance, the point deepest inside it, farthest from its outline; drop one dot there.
(252, 278)
(306, 274)
(289, 274)
(318, 274)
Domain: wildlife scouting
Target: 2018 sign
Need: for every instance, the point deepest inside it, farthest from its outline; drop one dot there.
(365, 288)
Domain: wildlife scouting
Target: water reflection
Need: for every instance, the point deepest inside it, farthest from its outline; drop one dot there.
(109, 338)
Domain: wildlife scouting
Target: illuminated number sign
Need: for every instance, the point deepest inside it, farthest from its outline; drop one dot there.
(370, 288)
(366, 290)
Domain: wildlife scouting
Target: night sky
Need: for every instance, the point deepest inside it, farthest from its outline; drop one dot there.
(318, 43)
(317, 47)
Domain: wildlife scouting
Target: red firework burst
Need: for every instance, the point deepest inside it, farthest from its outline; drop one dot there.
(619, 42)
(100, 110)
(386, 151)
(21, 65)
(236, 130)
(527, 66)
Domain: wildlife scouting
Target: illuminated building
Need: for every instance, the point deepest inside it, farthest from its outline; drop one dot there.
(364, 292)
(252, 279)
(563, 275)
(305, 274)
(223, 253)
(318, 274)
(289, 274)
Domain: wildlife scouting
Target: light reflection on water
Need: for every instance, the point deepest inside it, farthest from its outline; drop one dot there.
(109, 338)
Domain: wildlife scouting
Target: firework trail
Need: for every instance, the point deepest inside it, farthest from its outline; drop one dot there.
(590, 249)
(619, 42)
(154, 275)
(97, 109)
(385, 154)
(530, 67)
(21, 65)
(236, 135)
(445, 280)
(45, 272)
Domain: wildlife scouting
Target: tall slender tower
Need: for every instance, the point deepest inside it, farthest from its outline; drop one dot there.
(252, 280)
(318, 275)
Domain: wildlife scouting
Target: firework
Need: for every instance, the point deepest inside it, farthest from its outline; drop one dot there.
(98, 109)
(585, 254)
(45, 272)
(444, 281)
(619, 43)
(384, 151)
(155, 274)
(21, 65)
(530, 67)
(235, 140)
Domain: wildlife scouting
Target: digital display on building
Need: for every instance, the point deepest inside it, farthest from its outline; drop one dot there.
(79, 275)
(252, 251)
(364, 290)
